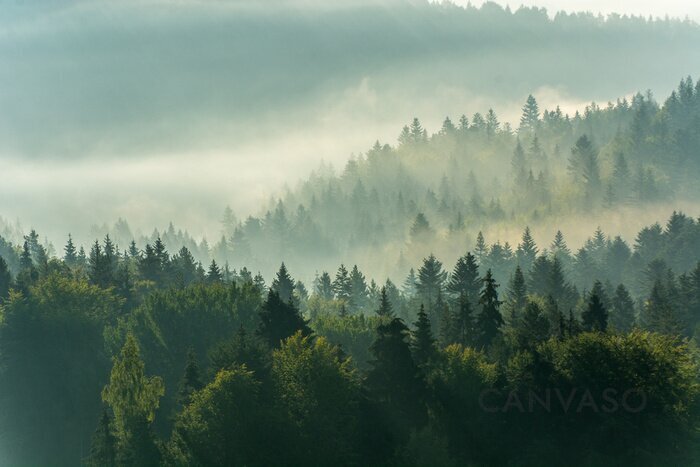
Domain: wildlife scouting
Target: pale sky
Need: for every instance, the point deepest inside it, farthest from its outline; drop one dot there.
(673, 8)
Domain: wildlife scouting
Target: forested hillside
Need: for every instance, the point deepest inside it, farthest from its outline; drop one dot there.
(140, 357)
(394, 204)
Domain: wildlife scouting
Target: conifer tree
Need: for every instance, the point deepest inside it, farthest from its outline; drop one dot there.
(527, 250)
(191, 379)
(422, 340)
(393, 377)
(480, 250)
(489, 320)
(465, 279)
(410, 284)
(531, 115)
(324, 286)
(103, 450)
(342, 285)
(595, 316)
(70, 256)
(385, 309)
(214, 273)
(358, 289)
(517, 295)
(431, 280)
(283, 284)
(622, 316)
(280, 319)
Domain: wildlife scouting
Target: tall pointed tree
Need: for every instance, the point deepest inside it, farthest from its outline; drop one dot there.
(489, 320)
(422, 340)
(283, 284)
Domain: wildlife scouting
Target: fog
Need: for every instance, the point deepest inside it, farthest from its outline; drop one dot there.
(169, 111)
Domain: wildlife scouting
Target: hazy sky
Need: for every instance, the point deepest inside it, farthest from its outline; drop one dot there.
(673, 8)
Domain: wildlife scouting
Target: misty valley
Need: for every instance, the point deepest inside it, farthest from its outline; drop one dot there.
(515, 288)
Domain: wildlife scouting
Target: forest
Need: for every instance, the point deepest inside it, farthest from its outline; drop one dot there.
(206, 271)
(542, 356)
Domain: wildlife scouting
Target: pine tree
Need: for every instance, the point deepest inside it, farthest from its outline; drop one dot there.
(659, 313)
(595, 316)
(622, 317)
(527, 250)
(420, 230)
(342, 285)
(358, 289)
(70, 256)
(191, 379)
(465, 323)
(529, 120)
(25, 258)
(133, 250)
(517, 295)
(5, 279)
(385, 309)
(584, 167)
(103, 450)
(393, 377)
(489, 320)
(214, 273)
(422, 340)
(410, 284)
(480, 249)
(280, 319)
(324, 286)
(532, 327)
(465, 279)
(283, 284)
(431, 280)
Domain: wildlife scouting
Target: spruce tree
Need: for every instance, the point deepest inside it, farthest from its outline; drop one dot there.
(191, 379)
(280, 319)
(465, 279)
(517, 295)
(422, 340)
(393, 378)
(527, 250)
(489, 320)
(410, 284)
(103, 450)
(342, 285)
(214, 273)
(324, 286)
(283, 284)
(70, 256)
(358, 289)
(531, 115)
(480, 250)
(595, 316)
(622, 316)
(385, 309)
(431, 281)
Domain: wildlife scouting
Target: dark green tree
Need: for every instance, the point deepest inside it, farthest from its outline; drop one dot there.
(489, 320)
(422, 340)
(103, 450)
(283, 284)
(385, 309)
(280, 319)
(595, 316)
(70, 253)
(191, 379)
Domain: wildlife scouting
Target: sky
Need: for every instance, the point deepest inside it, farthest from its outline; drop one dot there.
(656, 8)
